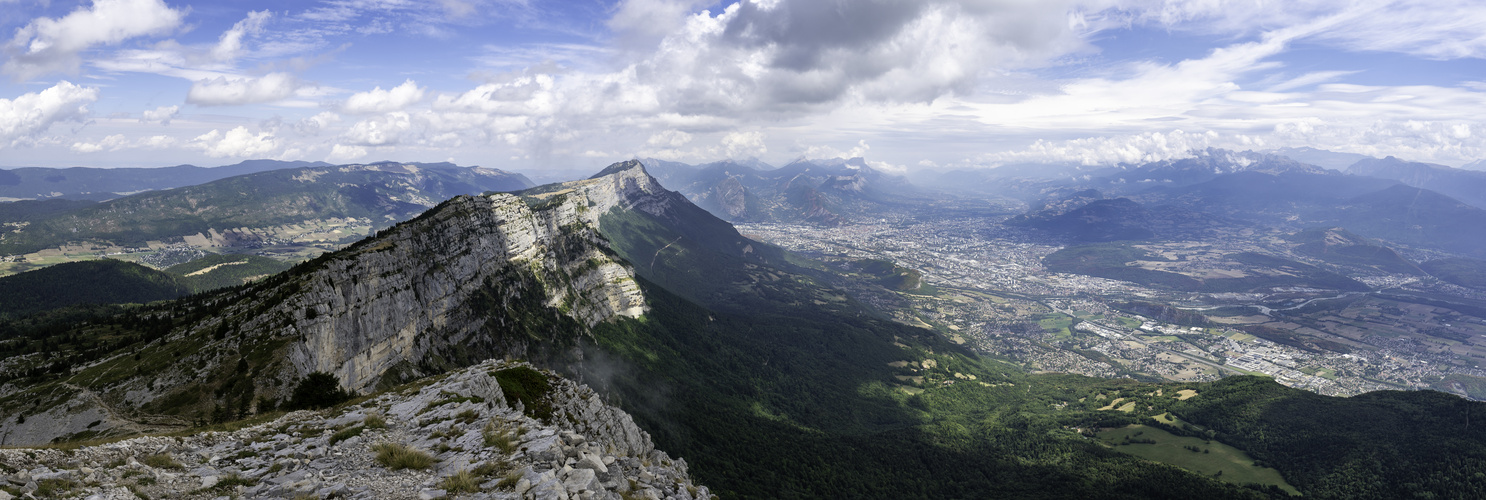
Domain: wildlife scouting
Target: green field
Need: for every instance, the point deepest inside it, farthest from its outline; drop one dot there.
(1057, 324)
(1325, 373)
(1235, 465)
(1130, 323)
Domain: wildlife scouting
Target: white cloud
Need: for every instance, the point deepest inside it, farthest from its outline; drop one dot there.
(669, 139)
(314, 124)
(230, 44)
(1436, 29)
(47, 45)
(162, 114)
(111, 143)
(743, 145)
(382, 101)
(385, 130)
(642, 23)
(238, 142)
(1109, 150)
(157, 142)
(342, 152)
(224, 91)
(33, 113)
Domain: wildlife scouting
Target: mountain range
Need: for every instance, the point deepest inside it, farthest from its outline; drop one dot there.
(1468, 186)
(814, 191)
(98, 184)
(729, 352)
(287, 210)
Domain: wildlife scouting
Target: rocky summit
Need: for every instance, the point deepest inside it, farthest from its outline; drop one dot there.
(499, 429)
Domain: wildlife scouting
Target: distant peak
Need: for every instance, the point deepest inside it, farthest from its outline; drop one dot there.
(620, 167)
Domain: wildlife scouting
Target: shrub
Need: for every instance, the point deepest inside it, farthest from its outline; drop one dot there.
(318, 390)
(528, 386)
(400, 456)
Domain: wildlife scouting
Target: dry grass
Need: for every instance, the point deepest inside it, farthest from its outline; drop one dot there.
(161, 461)
(374, 421)
(400, 456)
(461, 482)
(499, 437)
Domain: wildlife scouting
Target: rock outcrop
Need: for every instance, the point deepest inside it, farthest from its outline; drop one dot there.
(477, 442)
(477, 277)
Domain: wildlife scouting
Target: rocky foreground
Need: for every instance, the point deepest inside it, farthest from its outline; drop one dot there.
(495, 430)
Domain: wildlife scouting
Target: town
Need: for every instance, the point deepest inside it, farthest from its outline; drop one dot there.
(984, 286)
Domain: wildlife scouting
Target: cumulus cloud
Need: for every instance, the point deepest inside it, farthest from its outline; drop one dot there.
(669, 139)
(111, 143)
(342, 152)
(774, 55)
(162, 114)
(224, 91)
(238, 142)
(385, 130)
(157, 142)
(47, 45)
(642, 23)
(382, 101)
(33, 113)
(314, 124)
(230, 44)
(1109, 150)
(743, 145)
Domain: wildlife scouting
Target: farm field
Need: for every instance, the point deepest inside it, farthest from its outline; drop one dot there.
(1217, 459)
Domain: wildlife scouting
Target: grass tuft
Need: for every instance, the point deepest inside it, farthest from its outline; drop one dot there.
(161, 461)
(461, 482)
(400, 456)
(345, 434)
(374, 421)
(510, 480)
(499, 437)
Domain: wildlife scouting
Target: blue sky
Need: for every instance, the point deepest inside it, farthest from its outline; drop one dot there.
(530, 85)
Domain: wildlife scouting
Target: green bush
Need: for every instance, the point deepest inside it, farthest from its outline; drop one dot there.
(318, 390)
(528, 386)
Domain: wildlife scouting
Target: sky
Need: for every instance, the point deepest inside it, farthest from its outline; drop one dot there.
(532, 85)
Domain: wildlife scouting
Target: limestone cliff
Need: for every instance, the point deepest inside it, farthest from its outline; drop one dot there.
(501, 275)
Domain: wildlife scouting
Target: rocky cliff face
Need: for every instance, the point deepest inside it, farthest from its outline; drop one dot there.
(477, 439)
(477, 277)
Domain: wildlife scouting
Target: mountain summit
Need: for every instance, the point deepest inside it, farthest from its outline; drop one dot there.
(473, 278)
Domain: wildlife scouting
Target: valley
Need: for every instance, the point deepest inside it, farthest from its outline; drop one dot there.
(986, 286)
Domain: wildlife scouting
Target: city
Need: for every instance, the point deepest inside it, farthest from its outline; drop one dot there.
(984, 286)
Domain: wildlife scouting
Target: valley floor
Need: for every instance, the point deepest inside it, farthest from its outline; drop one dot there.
(985, 286)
